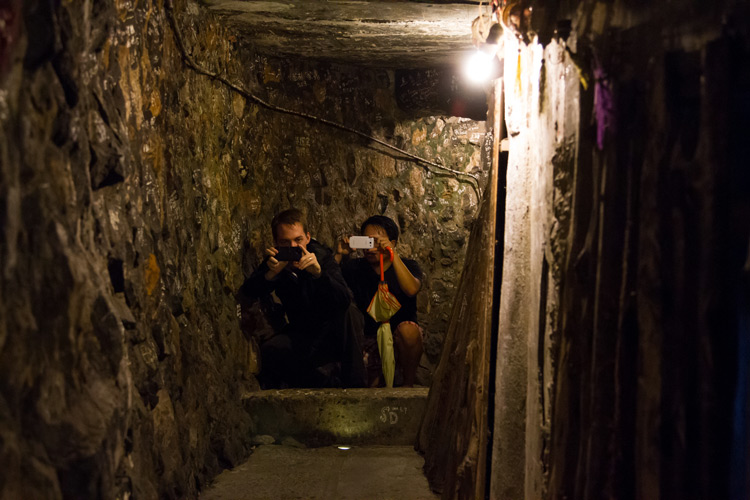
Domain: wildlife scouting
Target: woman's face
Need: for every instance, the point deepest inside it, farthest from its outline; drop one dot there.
(372, 254)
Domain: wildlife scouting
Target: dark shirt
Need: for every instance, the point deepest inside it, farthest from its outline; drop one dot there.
(307, 301)
(363, 281)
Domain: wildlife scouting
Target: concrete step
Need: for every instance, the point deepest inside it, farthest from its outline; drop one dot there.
(323, 417)
(278, 472)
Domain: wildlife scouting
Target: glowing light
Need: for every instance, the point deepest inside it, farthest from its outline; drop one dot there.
(478, 67)
(344, 447)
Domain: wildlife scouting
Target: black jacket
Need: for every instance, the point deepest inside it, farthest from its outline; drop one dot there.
(307, 301)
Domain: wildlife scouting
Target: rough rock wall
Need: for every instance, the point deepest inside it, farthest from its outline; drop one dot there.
(135, 195)
(121, 355)
(626, 234)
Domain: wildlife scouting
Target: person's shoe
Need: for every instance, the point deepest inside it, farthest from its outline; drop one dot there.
(328, 375)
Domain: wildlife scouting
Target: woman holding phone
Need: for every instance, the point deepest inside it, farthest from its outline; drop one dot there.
(404, 278)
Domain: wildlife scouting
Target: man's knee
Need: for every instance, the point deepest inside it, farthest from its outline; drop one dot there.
(277, 344)
(354, 316)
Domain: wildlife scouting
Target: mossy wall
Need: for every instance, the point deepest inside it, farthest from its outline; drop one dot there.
(135, 196)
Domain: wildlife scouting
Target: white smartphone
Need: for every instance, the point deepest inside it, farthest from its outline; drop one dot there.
(361, 242)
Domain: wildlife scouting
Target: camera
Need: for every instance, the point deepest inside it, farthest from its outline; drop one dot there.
(289, 254)
(361, 242)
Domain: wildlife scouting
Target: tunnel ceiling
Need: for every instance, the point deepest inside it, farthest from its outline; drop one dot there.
(385, 34)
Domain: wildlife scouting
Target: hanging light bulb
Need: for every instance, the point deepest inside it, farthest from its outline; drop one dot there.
(482, 64)
(478, 67)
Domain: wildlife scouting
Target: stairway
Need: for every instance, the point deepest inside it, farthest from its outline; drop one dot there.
(330, 444)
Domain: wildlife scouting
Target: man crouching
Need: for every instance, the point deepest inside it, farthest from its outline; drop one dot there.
(320, 344)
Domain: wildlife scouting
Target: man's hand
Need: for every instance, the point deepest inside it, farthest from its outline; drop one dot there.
(309, 263)
(274, 266)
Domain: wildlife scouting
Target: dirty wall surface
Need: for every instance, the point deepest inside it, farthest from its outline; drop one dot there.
(135, 196)
(626, 236)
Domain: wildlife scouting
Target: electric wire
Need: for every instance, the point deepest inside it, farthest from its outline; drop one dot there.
(471, 179)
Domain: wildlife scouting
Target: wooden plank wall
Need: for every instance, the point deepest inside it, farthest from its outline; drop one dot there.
(454, 432)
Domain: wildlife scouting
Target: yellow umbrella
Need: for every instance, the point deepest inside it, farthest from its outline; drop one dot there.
(382, 307)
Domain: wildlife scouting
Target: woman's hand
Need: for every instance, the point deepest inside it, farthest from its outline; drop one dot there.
(342, 248)
(383, 245)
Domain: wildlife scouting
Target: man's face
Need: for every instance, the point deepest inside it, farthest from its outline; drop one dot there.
(292, 235)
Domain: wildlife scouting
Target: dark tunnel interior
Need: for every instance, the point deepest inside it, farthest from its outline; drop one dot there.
(579, 223)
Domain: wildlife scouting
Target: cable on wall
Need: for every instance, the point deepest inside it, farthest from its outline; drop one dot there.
(471, 179)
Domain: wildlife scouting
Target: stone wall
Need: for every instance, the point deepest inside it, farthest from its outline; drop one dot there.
(135, 196)
(626, 234)
(121, 356)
